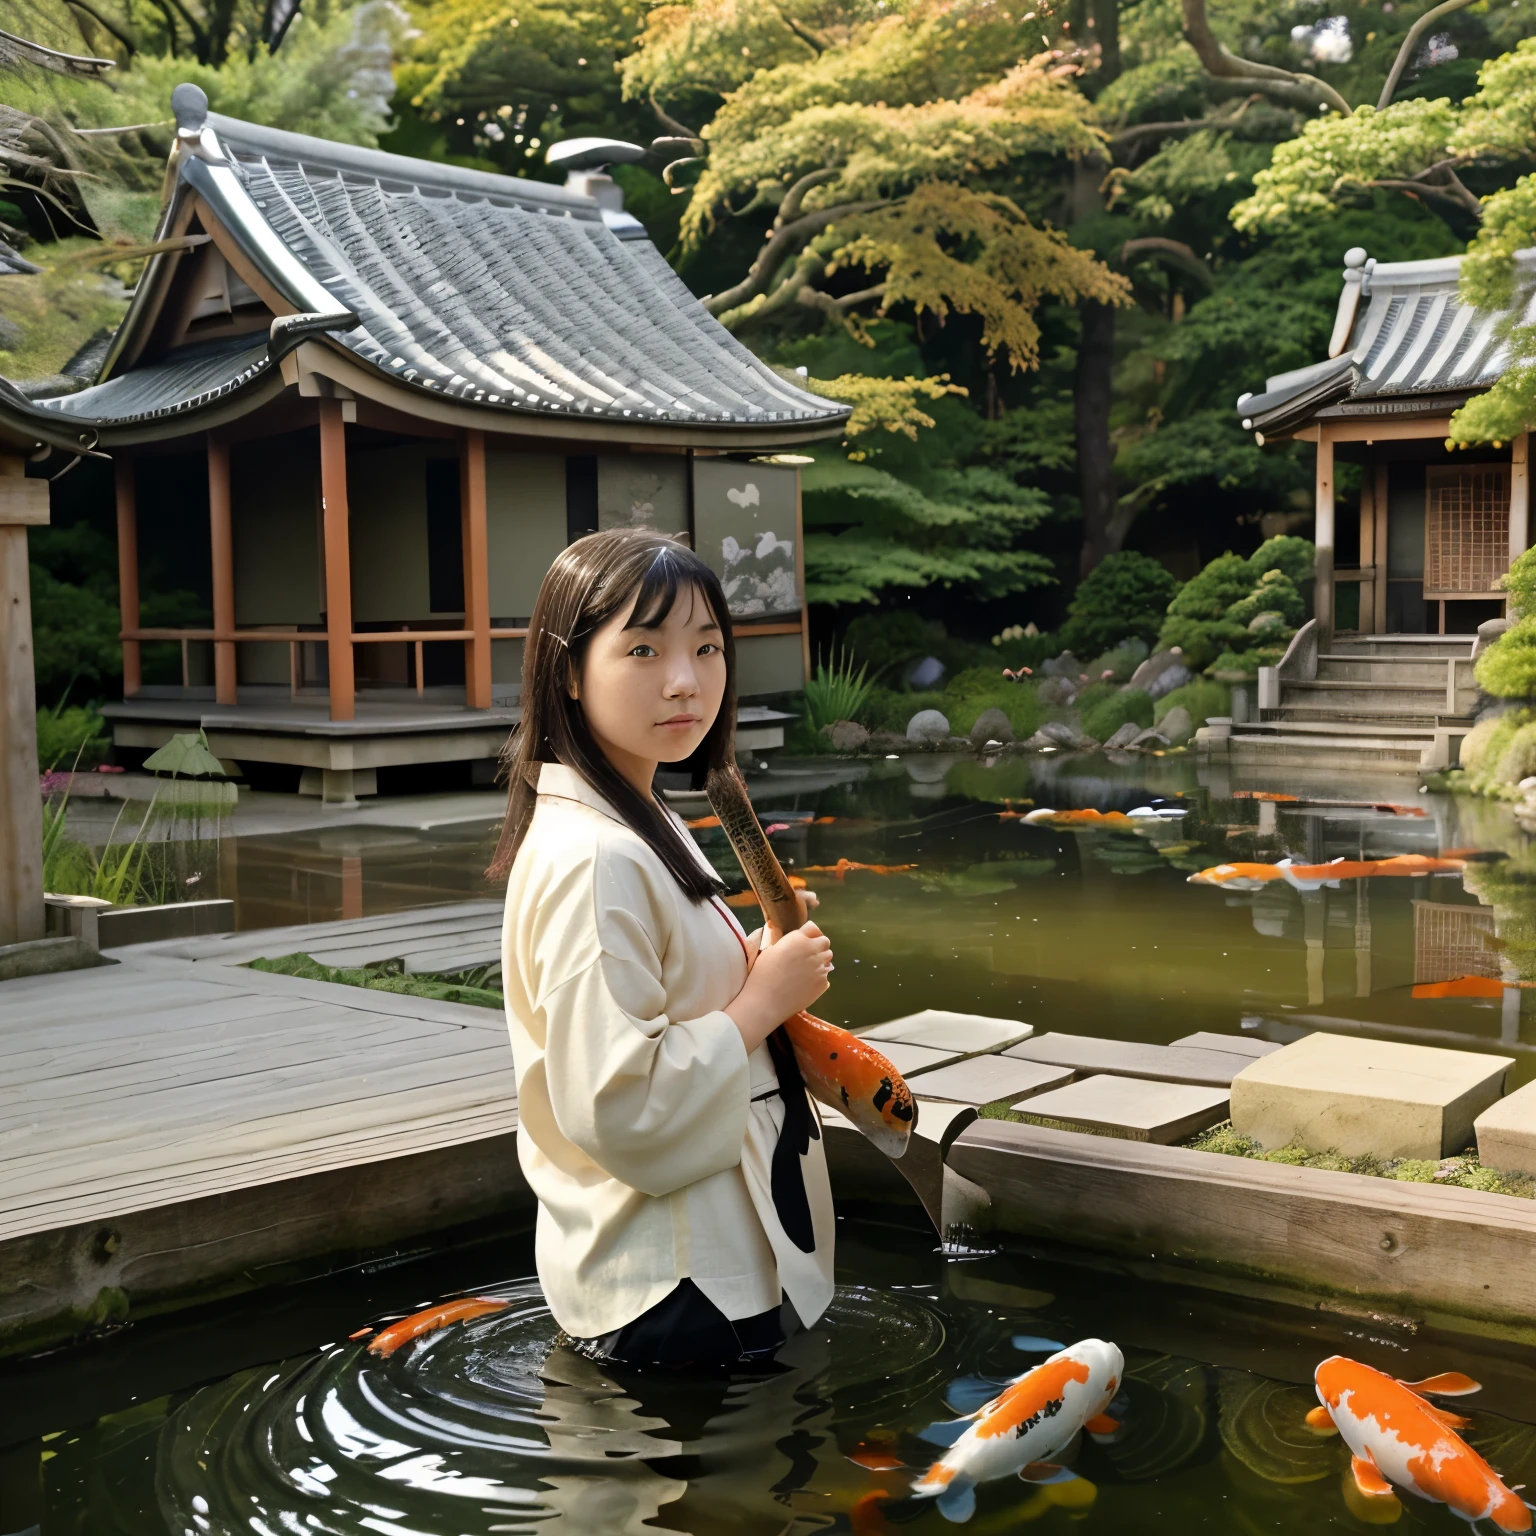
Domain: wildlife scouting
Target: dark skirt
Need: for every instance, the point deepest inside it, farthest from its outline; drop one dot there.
(686, 1330)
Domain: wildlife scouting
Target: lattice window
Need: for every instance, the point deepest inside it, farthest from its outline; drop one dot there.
(1466, 532)
(1451, 941)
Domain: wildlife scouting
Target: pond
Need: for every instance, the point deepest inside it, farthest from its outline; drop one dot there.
(264, 1417)
(1095, 929)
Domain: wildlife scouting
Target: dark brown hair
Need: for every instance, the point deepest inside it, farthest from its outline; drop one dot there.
(591, 581)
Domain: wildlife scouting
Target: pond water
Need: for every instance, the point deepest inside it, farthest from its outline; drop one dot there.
(263, 1417)
(1090, 930)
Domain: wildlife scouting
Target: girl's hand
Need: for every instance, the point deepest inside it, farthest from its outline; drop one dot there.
(788, 975)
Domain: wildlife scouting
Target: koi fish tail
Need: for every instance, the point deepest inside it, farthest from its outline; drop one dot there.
(958, 1502)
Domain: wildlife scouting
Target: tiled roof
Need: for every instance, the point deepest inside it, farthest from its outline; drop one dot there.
(1413, 340)
(510, 295)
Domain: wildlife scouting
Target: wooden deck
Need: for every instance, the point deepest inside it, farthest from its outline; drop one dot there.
(177, 1073)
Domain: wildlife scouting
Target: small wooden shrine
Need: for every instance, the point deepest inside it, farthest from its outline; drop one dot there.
(395, 390)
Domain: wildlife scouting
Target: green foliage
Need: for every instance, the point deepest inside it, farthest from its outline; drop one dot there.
(889, 709)
(835, 691)
(1019, 701)
(1210, 618)
(384, 976)
(1486, 745)
(1507, 669)
(1032, 651)
(1102, 719)
(1202, 698)
(69, 738)
(124, 873)
(1287, 553)
(1121, 662)
(1125, 596)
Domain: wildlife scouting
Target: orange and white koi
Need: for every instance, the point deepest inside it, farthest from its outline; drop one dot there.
(1032, 1420)
(1313, 877)
(848, 866)
(1460, 986)
(1084, 818)
(748, 898)
(1398, 1439)
(429, 1321)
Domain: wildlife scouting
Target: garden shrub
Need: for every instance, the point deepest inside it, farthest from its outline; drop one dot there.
(1019, 701)
(889, 709)
(1031, 651)
(1518, 760)
(1121, 662)
(1124, 596)
(1202, 698)
(1507, 669)
(1288, 553)
(1209, 619)
(1105, 716)
(889, 642)
(65, 735)
(1483, 747)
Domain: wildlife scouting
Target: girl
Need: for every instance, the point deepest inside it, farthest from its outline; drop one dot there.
(640, 1013)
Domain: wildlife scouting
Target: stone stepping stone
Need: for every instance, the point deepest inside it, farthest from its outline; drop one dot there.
(1366, 1098)
(954, 1032)
(1127, 1058)
(1239, 1045)
(909, 1059)
(1506, 1133)
(981, 1079)
(1131, 1108)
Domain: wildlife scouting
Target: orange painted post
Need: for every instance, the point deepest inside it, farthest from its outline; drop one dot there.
(338, 558)
(222, 542)
(351, 886)
(1322, 589)
(477, 573)
(128, 570)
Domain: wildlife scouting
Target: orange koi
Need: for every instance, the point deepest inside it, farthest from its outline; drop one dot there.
(700, 822)
(1312, 877)
(748, 898)
(1086, 818)
(1031, 1420)
(1263, 794)
(1398, 1439)
(429, 1321)
(847, 866)
(1461, 986)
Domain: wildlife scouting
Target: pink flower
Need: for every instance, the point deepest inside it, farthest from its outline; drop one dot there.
(110, 768)
(778, 826)
(1106, 674)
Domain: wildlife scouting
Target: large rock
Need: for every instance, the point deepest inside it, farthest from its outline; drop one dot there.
(1065, 665)
(1060, 734)
(992, 725)
(1059, 692)
(925, 674)
(1123, 737)
(846, 736)
(1161, 674)
(1366, 1098)
(927, 725)
(1150, 739)
(887, 742)
(1176, 725)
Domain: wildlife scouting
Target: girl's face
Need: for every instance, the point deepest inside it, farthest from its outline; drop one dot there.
(651, 693)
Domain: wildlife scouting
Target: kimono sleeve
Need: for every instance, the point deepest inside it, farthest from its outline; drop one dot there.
(656, 1102)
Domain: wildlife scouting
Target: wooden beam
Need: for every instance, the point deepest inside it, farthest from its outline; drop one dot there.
(1368, 572)
(477, 573)
(21, 807)
(1379, 622)
(1519, 496)
(1354, 430)
(1322, 591)
(338, 558)
(222, 544)
(125, 480)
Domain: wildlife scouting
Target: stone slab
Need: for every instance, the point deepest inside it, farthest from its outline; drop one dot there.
(1128, 1058)
(944, 1030)
(982, 1079)
(1240, 1045)
(1130, 1108)
(909, 1059)
(1366, 1098)
(1506, 1133)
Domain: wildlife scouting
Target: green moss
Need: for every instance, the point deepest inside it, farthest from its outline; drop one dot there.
(386, 976)
(1104, 717)
(1462, 1172)
(1202, 698)
(1487, 747)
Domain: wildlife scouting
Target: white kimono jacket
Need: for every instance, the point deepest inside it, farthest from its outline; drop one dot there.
(644, 1127)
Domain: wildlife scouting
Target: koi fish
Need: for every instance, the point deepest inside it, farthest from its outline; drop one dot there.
(749, 898)
(1264, 794)
(839, 1068)
(775, 826)
(700, 822)
(1397, 1438)
(1087, 818)
(419, 1323)
(1312, 877)
(1033, 1419)
(847, 866)
(1461, 986)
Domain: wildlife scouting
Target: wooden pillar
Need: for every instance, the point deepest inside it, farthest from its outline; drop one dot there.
(221, 538)
(23, 504)
(1322, 592)
(805, 609)
(1367, 548)
(1379, 618)
(1519, 496)
(477, 570)
(128, 569)
(338, 558)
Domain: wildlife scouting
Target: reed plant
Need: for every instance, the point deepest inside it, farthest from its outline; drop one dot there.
(835, 691)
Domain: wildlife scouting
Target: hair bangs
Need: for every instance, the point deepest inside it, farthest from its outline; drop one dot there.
(671, 572)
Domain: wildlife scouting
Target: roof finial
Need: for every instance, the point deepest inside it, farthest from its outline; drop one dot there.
(190, 104)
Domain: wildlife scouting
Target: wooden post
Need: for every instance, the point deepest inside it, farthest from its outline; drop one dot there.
(1367, 549)
(1379, 619)
(221, 538)
(477, 572)
(338, 558)
(805, 609)
(1519, 497)
(23, 503)
(1322, 590)
(128, 569)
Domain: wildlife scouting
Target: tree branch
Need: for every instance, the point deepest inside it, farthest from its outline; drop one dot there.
(1457, 196)
(1409, 43)
(806, 36)
(794, 199)
(1176, 250)
(79, 65)
(777, 247)
(669, 122)
(110, 27)
(814, 298)
(1278, 84)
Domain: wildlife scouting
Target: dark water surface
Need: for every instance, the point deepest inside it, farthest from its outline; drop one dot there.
(249, 1420)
